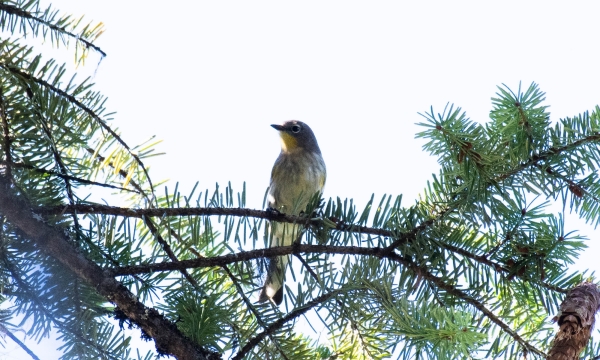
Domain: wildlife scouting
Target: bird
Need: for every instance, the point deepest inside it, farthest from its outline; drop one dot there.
(298, 175)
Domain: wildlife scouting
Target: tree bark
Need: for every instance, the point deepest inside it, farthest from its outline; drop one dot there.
(576, 321)
(168, 339)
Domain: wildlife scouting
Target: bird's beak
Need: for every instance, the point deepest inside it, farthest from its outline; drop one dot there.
(278, 127)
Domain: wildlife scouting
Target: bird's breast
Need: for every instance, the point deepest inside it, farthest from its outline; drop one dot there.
(294, 180)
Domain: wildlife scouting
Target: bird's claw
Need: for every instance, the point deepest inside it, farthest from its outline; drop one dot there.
(273, 212)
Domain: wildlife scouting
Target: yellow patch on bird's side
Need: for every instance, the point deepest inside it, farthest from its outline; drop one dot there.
(288, 142)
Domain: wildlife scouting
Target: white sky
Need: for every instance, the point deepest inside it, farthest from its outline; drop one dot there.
(208, 77)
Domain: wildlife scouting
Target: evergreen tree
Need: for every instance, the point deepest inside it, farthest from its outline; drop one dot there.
(473, 269)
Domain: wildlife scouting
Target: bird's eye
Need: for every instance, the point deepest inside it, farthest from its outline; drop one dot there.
(296, 129)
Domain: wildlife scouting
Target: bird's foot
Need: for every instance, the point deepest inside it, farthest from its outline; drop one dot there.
(273, 212)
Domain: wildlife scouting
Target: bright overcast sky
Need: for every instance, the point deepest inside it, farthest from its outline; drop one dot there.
(208, 77)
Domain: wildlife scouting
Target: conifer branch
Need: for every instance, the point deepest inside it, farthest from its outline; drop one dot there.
(6, 143)
(167, 337)
(194, 283)
(487, 172)
(19, 165)
(14, 10)
(122, 173)
(24, 286)
(441, 284)
(546, 155)
(363, 342)
(267, 215)
(282, 321)
(241, 293)
(239, 212)
(24, 75)
(231, 277)
(167, 249)
(351, 250)
(253, 310)
(411, 235)
(312, 273)
(347, 314)
(12, 336)
(575, 188)
(57, 158)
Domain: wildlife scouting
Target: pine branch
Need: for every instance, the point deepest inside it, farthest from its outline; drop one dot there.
(167, 249)
(350, 250)
(282, 321)
(363, 342)
(6, 134)
(575, 188)
(404, 238)
(441, 284)
(484, 259)
(269, 215)
(222, 260)
(9, 165)
(62, 176)
(546, 155)
(239, 291)
(167, 337)
(346, 313)
(14, 10)
(16, 276)
(53, 148)
(8, 333)
(240, 212)
(24, 75)
(253, 310)
(312, 273)
(122, 173)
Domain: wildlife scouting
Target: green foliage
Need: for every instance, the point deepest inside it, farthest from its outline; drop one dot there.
(202, 319)
(472, 269)
(25, 17)
(51, 121)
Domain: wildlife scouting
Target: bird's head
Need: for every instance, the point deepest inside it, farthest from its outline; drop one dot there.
(296, 135)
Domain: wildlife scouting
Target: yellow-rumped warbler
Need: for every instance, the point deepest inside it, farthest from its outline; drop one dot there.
(298, 174)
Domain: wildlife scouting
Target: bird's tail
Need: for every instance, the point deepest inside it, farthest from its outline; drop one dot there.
(283, 235)
(273, 288)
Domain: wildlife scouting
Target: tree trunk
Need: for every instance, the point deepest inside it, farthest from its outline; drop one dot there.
(576, 321)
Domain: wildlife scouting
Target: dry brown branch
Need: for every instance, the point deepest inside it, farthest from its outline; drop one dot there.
(576, 321)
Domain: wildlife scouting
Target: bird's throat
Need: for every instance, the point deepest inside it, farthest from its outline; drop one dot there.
(288, 142)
